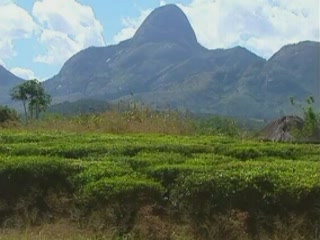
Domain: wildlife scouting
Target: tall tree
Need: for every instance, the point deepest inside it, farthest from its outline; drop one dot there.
(33, 92)
(19, 93)
(38, 98)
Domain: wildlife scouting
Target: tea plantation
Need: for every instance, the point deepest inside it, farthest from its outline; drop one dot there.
(191, 178)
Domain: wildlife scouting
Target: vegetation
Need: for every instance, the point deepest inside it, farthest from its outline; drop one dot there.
(181, 186)
(311, 126)
(126, 117)
(7, 115)
(218, 125)
(165, 175)
(134, 117)
(83, 106)
(32, 93)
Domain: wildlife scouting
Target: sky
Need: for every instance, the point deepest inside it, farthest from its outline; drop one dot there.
(38, 36)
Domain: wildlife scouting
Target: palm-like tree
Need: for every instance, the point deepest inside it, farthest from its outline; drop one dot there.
(20, 93)
(31, 91)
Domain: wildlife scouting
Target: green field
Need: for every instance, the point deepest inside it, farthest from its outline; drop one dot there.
(102, 182)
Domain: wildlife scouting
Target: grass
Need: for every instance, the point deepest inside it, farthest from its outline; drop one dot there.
(63, 230)
(129, 118)
(134, 117)
(222, 228)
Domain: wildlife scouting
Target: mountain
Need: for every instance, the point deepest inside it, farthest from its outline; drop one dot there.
(299, 63)
(167, 24)
(163, 64)
(293, 71)
(7, 82)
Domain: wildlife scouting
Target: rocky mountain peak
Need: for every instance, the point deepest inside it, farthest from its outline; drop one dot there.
(167, 24)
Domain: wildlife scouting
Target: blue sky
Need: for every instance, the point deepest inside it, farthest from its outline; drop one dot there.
(38, 36)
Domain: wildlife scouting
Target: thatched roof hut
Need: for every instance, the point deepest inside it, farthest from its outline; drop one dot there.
(280, 130)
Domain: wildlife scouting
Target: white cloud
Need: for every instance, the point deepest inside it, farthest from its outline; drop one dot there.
(4, 2)
(262, 26)
(162, 3)
(59, 47)
(23, 73)
(68, 27)
(15, 23)
(130, 26)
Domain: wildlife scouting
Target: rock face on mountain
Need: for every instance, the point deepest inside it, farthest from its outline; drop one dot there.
(7, 81)
(167, 24)
(294, 70)
(163, 64)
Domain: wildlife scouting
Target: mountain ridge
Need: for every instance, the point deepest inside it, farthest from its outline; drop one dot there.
(163, 64)
(7, 81)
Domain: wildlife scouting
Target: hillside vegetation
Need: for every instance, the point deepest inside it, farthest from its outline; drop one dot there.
(147, 186)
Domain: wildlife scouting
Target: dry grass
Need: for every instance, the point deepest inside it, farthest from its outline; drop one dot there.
(154, 223)
(231, 226)
(62, 230)
(132, 120)
(235, 226)
(292, 228)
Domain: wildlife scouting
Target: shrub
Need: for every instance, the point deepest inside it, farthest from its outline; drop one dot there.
(218, 125)
(8, 115)
(311, 126)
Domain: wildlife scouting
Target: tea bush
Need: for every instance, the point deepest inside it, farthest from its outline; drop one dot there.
(195, 177)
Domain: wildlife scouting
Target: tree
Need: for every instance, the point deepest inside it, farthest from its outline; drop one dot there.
(38, 99)
(19, 93)
(33, 92)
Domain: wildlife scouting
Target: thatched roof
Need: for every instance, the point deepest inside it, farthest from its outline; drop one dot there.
(280, 130)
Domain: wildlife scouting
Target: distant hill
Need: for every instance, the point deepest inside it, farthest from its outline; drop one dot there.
(164, 65)
(82, 106)
(7, 82)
